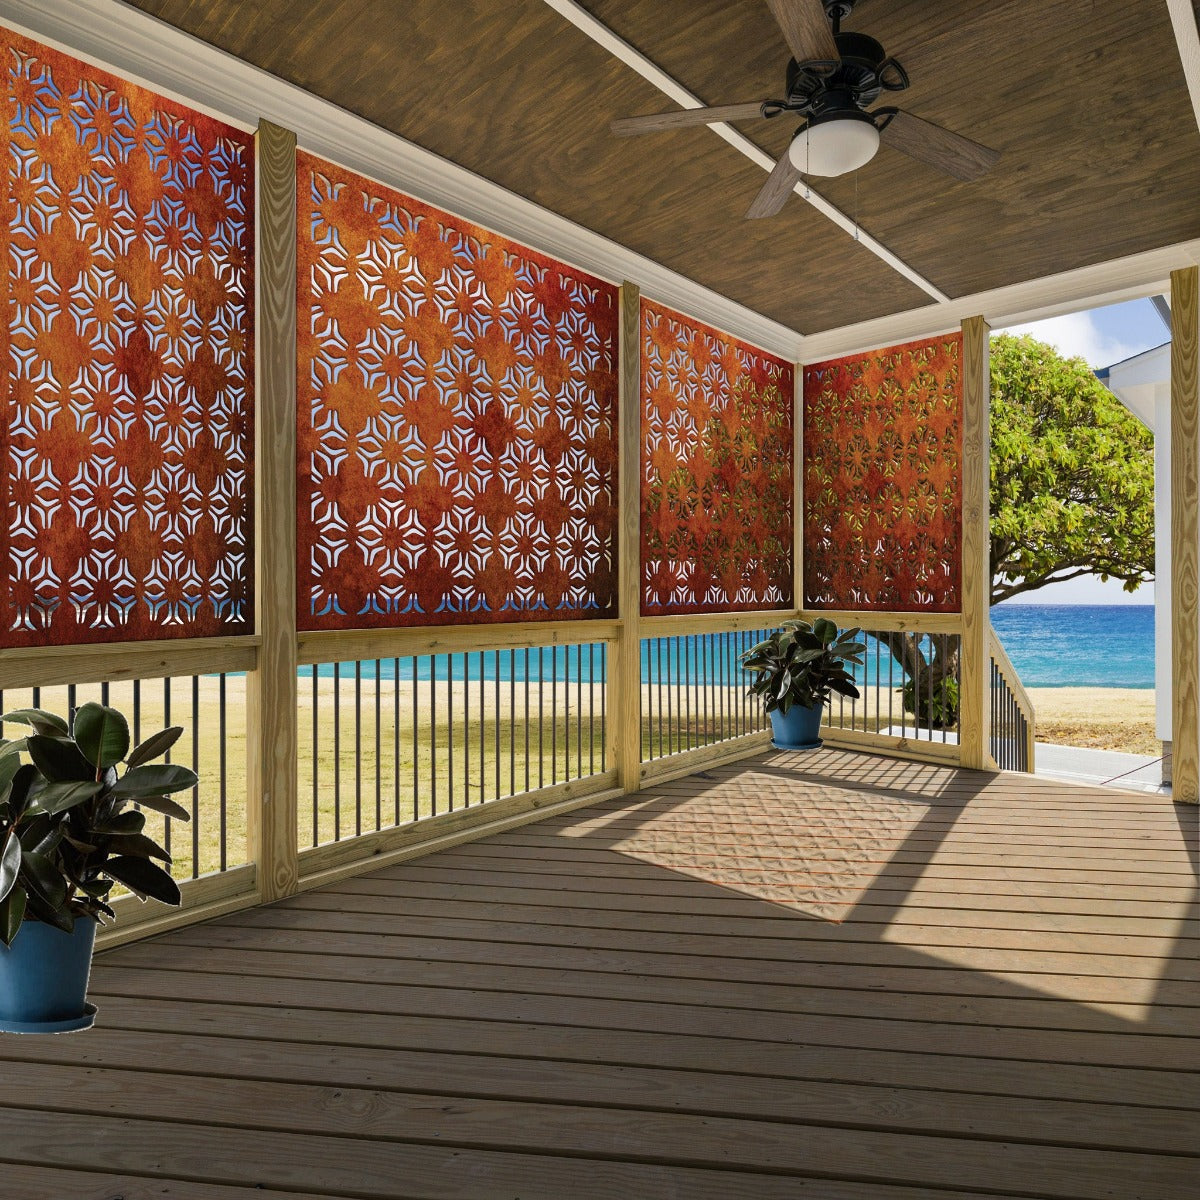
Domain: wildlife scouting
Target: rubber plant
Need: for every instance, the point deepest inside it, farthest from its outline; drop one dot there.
(800, 663)
(69, 831)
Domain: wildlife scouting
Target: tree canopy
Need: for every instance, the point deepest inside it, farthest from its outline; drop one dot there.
(1072, 474)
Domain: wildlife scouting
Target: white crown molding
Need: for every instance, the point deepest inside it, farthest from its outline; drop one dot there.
(1132, 278)
(128, 42)
(674, 90)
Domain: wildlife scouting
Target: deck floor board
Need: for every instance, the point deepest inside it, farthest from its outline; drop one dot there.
(833, 975)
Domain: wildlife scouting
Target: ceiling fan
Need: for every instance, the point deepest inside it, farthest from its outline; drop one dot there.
(833, 77)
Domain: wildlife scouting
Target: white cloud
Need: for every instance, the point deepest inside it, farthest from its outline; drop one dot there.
(1076, 334)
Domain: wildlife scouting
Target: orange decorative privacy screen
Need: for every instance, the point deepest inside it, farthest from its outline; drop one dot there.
(716, 470)
(883, 479)
(126, 420)
(457, 419)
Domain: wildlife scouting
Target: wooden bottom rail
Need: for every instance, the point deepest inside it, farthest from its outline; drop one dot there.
(321, 865)
(208, 896)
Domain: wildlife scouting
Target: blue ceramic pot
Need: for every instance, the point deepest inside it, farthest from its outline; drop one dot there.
(44, 978)
(798, 728)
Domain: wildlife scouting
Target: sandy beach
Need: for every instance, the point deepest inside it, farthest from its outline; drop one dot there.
(1099, 718)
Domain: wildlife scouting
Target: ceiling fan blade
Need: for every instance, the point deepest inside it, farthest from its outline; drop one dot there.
(774, 193)
(653, 122)
(930, 143)
(805, 29)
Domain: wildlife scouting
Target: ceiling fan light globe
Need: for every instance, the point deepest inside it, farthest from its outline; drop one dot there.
(834, 147)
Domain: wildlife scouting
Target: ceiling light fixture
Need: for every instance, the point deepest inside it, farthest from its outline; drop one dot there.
(834, 144)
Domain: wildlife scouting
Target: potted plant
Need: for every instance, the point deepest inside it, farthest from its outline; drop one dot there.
(68, 835)
(796, 668)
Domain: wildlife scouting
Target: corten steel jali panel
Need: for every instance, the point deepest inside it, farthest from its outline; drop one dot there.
(126, 427)
(457, 419)
(883, 479)
(716, 470)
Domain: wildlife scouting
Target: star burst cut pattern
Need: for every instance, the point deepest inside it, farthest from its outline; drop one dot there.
(716, 470)
(457, 452)
(883, 479)
(126, 337)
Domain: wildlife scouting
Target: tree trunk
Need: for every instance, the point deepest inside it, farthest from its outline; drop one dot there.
(931, 681)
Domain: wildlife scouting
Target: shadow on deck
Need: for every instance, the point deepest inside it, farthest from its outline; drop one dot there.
(828, 975)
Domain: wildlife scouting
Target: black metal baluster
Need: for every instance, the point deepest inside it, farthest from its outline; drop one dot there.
(526, 682)
(166, 725)
(483, 727)
(416, 739)
(196, 768)
(396, 736)
(378, 746)
(357, 748)
(450, 725)
(316, 774)
(224, 798)
(433, 737)
(337, 751)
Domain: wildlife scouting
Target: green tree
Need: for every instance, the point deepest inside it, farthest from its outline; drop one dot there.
(1072, 475)
(1072, 494)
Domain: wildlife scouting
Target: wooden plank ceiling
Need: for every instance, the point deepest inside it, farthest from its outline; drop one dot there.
(1086, 100)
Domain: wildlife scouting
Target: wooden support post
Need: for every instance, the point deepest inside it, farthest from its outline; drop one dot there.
(625, 680)
(1185, 534)
(973, 713)
(798, 488)
(271, 689)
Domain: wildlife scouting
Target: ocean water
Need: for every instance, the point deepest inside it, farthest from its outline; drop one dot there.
(1094, 645)
(1051, 645)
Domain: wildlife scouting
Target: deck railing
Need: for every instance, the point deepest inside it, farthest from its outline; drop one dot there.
(694, 692)
(1013, 725)
(388, 742)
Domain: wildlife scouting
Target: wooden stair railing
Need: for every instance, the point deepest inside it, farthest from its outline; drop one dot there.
(1013, 725)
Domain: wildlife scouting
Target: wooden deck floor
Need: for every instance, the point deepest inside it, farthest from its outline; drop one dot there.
(831, 976)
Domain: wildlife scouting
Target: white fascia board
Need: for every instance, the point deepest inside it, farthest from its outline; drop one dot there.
(1130, 278)
(130, 43)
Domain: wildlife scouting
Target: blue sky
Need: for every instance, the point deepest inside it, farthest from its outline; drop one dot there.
(1101, 336)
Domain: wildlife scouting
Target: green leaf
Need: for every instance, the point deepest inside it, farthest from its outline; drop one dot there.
(58, 797)
(136, 845)
(12, 913)
(59, 759)
(43, 879)
(143, 878)
(58, 916)
(126, 822)
(96, 888)
(102, 734)
(10, 749)
(41, 721)
(156, 746)
(10, 863)
(25, 786)
(140, 782)
(167, 807)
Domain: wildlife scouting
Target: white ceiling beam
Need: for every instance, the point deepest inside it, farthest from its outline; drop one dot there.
(674, 90)
(131, 43)
(1131, 278)
(1187, 38)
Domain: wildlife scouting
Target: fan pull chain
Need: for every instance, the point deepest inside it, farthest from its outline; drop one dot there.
(856, 206)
